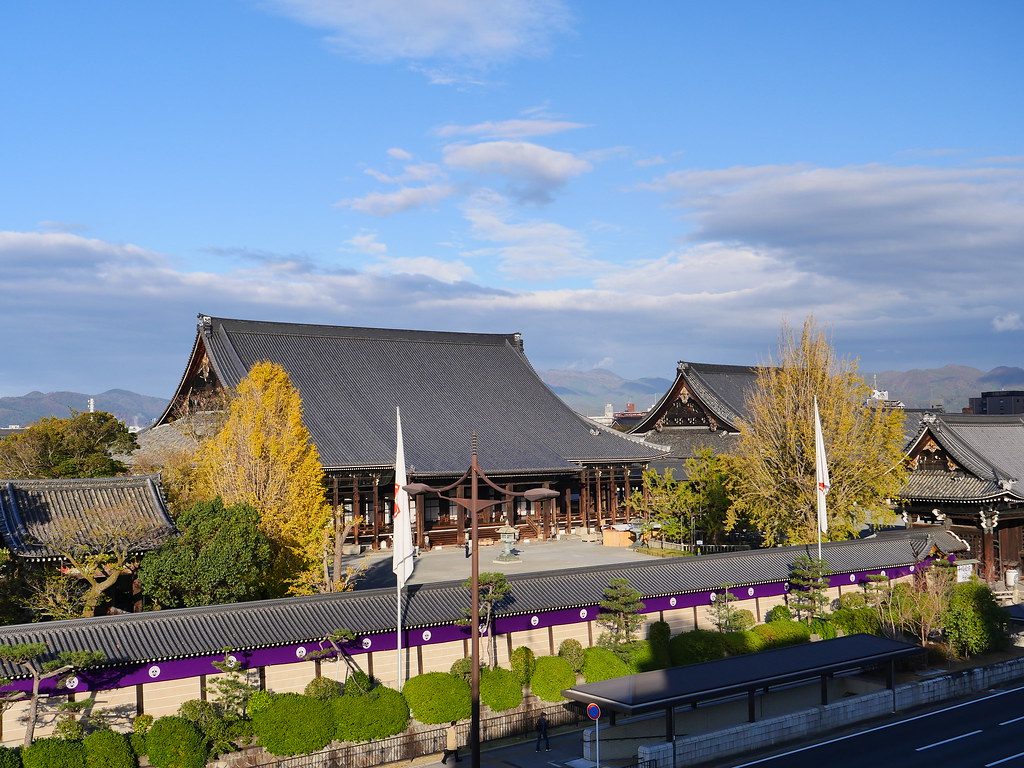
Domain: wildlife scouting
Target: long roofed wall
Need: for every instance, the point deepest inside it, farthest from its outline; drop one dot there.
(163, 655)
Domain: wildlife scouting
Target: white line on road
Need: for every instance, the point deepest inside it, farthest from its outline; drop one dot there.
(878, 728)
(1011, 757)
(1015, 720)
(946, 741)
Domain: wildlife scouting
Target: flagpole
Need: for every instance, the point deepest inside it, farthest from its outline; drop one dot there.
(821, 478)
(401, 557)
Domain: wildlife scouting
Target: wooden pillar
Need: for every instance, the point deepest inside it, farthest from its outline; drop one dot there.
(989, 521)
(598, 506)
(357, 510)
(460, 519)
(377, 507)
(585, 499)
(356, 529)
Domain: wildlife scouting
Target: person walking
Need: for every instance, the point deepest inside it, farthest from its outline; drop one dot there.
(542, 732)
(451, 744)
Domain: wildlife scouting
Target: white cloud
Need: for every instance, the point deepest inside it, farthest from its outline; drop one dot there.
(404, 199)
(399, 154)
(366, 243)
(418, 173)
(531, 250)
(466, 31)
(533, 172)
(443, 271)
(509, 129)
(903, 223)
(1011, 321)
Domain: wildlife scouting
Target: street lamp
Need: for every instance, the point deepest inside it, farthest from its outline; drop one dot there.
(474, 505)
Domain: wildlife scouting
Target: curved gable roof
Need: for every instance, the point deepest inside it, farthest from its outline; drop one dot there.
(988, 449)
(447, 385)
(721, 389)
(101, 508)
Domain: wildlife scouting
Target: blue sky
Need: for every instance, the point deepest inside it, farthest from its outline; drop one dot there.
(627, 185)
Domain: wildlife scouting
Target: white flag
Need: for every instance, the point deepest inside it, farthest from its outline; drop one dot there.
(401, 558)
(821, 471)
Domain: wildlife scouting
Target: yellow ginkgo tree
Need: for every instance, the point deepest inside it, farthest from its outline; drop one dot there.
(263, 456)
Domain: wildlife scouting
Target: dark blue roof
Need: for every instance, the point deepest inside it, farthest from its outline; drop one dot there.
(448, 385)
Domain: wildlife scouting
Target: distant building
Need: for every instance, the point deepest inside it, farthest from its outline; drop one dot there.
(703, 407)
(997, 403)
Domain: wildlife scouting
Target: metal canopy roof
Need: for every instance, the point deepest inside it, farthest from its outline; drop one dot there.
(676, 686)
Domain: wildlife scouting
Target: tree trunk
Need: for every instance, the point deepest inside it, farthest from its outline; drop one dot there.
(33, 709)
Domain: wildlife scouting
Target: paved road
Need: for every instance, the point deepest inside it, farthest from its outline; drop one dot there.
(981, 733)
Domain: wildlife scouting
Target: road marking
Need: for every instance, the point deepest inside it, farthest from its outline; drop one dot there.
(946, 741)
(878, 728)
(1011, 757)
(1015, 720)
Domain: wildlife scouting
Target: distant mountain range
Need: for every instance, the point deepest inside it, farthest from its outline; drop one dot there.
(133, 409)
(950, 387)
(585, 391)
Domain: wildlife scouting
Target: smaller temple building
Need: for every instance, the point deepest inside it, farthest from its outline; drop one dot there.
(967, 475)
(703, 407)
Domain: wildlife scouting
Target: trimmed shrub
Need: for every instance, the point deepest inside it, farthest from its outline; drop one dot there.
(973, 621)
(323, 688)
(855, 620)
(69, 728)
(696, 646)
(53, 753)
(852, 600)
(642, 658)
(778, 613)
(462, 669)
(359, 683)
(500, 689)
(381, 713)
(108, 749)
(823, 628)
(10, 758)
(778, 634)
(292, 725)
(141, 724)
(659, 636)
(572, 652)
(204, 715)
(174, 742)
(601, 664)
(551, 676)
(744, 619)
(259, 701)
(138, 743)
(437, 697)
(742, 642)
(523, 662)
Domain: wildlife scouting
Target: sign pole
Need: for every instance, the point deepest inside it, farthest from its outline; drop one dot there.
(594, 713)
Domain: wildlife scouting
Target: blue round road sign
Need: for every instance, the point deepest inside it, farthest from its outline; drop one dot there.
(593, 712)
